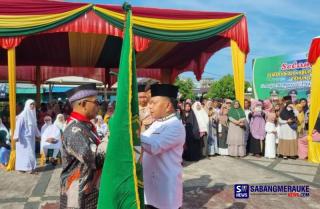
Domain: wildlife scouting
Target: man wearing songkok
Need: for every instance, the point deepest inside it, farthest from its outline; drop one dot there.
(82, 151)
(163, 146)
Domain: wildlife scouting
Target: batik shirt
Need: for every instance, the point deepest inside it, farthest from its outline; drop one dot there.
(82, 164)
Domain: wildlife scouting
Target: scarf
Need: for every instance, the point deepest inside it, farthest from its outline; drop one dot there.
(257, 125)
(202, 117)
(223, 115)
(267, 106)
(236, 113)
(84, 119)
(58, 123)
(286, 115)
(29, 116)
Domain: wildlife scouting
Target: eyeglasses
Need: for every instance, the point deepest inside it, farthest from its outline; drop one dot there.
(96, 102)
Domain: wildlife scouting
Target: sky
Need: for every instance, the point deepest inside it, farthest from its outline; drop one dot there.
(275, 27)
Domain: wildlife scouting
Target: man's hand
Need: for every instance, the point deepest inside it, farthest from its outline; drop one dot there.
(51, 141)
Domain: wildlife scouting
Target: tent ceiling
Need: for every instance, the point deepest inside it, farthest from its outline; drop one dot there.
(89, 37)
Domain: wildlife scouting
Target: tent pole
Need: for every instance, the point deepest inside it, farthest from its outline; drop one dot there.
(50, 93)
(38, 85)
(12, 104)
(106, 82)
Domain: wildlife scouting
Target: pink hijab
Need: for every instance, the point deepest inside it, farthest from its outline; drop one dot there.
(267, 106)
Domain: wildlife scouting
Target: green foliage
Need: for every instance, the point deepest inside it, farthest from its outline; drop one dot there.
(224, 88)
(185, 88)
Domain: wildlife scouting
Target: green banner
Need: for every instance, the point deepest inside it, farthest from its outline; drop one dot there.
(277, 76)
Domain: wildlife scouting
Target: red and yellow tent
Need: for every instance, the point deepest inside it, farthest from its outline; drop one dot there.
(314, 60)
(48, 36)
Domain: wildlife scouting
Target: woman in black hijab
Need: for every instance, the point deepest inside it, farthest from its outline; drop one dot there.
(192, 151)
(288, 144)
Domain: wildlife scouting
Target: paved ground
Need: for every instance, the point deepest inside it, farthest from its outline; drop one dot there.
(208, 184)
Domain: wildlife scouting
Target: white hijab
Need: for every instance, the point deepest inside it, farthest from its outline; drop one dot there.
(51, 131)
(202, 117)
(29, 116)
(58, 123)
(103, 126)
(45, 125)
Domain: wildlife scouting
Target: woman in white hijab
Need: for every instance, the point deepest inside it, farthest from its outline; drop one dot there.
(51, 139)
(25, 133)
(47, 122)
(60, 122)
(203, 122)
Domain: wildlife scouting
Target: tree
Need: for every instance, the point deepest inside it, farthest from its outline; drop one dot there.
(224, 88)
(186, 87)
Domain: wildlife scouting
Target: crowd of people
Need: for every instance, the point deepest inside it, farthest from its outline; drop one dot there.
(40, 131)
(176, 129)
(269, 128)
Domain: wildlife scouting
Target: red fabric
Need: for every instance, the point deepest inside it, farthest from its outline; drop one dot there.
(314, 51)
(45, 49)
(92, 23)
(48, 72)
(55, 49)
(36, 7)
(24, 74)
(170, 13)
(27, 74)
(10, 42)
(239, 34)
(194, 57)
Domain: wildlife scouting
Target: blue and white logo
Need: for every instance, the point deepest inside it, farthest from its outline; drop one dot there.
(241, 191)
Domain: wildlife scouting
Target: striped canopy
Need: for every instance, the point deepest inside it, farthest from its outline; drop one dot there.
(86, 36)
(314, 51)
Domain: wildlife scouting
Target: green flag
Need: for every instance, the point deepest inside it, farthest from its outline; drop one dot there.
(121, 184)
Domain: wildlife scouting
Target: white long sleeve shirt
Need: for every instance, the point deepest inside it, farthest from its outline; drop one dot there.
(162, 169)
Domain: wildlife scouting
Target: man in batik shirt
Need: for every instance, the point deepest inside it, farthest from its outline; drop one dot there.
(82, 151)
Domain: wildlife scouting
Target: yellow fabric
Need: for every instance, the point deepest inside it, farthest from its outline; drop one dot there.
(42, 159)
(238, 62)
(155, 51)
(22, 21)
(85, 49)
(300, 129)
(12, 104)
(314, 147)
(169, 24)
(106, 118)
